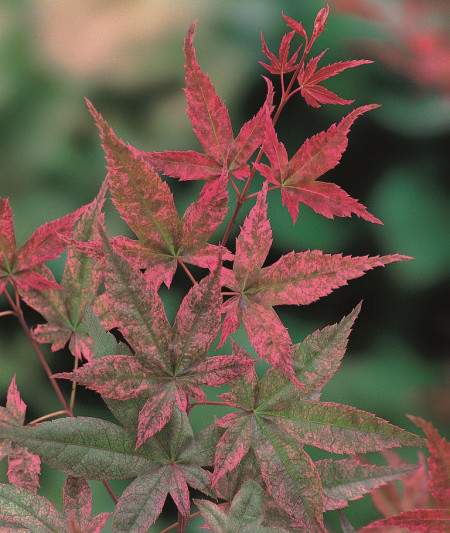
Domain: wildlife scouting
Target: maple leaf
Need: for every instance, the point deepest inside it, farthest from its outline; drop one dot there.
(244, 516)
(20, 265)
(276, 419)
(212, 125)
(408, 510)
(96, 449)
(77, 504)
(280, 65)
(170, 363)
(146, 204)
(81, 279)
(295, 279)
(309, 77)
(23, 467)
(297, 177)
(319, 26)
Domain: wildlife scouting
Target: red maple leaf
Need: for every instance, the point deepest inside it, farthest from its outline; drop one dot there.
(23, 467)
(422, 507)
(20, 265)
(309, 77)
(280, 65)
(297, 177)
(212, 125)
(295, 279)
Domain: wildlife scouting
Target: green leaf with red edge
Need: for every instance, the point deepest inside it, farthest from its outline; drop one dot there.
(20, 265)
(146, 204)
(170, 362)
(297, 177)
(417, 520)
(295, 279)
(23, 508)
(23, 467)
(276, 418)
(212, 125)
(438, 462)
(77, 504)
(81, 279)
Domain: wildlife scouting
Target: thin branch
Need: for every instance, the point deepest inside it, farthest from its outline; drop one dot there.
(207, 403)
(74, 386)
(9, 312)
(46, 417)
(18, 311)
(185, 268)
(174, 526)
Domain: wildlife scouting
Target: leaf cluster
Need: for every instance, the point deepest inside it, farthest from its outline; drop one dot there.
(252, 466)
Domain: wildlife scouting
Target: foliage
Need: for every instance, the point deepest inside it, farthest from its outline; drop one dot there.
(252, 464)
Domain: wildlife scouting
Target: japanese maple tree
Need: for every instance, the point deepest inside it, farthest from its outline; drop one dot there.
(251, 469)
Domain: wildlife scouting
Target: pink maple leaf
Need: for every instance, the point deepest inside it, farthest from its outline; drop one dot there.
(297, 177)
(212, 125)
(280, 65)
(81, 279)
(295, 279)
(23, 467)
(146, 204)
(19, 265)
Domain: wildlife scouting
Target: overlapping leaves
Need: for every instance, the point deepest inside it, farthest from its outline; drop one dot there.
(146, 204)
(170, 362)
(276, 419)
(295, 279)
(212, 125)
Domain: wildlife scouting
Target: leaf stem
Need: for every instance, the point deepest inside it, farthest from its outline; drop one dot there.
(74, 387)
(19, 314)
(185, 268)
(174, 526)
(9, 312)
(46, 417)
(207, 403)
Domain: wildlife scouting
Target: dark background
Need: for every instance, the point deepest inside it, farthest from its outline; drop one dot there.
(126, 57)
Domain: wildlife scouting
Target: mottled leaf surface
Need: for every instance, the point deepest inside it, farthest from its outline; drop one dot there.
(297, 177)
(146, 204)
(170, 361)
(19, 265)
(212, 126)
(24, 467)
(295, 279)
(63, 310)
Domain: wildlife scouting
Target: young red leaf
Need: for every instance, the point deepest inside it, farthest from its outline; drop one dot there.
(309, 77)
(20, 265)
(23, 467)
(81, 279)
(280, 65)
(298, 177)
(418, 520)
(438, 462)
(212, 125)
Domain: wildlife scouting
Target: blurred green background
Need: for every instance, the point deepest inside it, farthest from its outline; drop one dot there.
(126, 57)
